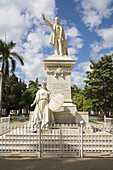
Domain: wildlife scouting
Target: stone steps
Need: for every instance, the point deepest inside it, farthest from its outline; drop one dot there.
(22, 139)
(34, 148)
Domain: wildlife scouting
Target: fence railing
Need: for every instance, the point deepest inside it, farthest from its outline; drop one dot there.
(59, 140)
(97, 140)
(4, 122)
(108, 120)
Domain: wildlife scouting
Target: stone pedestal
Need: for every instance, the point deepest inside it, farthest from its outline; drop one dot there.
(58, 70)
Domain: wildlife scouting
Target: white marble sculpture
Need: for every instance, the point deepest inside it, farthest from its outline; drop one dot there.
(42, 111)
(57, 38)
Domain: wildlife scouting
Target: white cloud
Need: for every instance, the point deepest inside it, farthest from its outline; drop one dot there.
(96, 47)
(84, 66)
(72, 51)
(76, 43)
(93, 11)
(12, 23)
(22, 22)
(79, 76)
(91, 19)
(78, 79)
(17, 17)
(106, 41)
(33, 57)
(107, 37)
(75, 40)
(73, 32)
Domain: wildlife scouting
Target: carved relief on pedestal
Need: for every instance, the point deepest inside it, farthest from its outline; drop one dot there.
(59, 71)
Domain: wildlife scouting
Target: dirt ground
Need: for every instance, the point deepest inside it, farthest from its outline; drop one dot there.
(56, 164)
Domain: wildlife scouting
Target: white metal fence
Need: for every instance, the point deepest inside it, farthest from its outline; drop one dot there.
(4, 122)
(57, 141)
(61, 140)
(108, 120)
(98, 140)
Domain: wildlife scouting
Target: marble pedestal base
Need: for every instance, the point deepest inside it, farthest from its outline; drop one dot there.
(58, 70)
(66, 114)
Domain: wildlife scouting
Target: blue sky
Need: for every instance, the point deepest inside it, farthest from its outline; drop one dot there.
(88, 27)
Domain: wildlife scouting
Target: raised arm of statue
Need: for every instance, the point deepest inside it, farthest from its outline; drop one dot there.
(46, 21)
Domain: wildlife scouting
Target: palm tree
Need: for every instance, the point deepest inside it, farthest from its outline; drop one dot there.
(7, 56)
(34, 84)
(6, 53)
(33, 87)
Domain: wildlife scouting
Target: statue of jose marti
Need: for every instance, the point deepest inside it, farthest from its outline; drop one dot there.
(57, 37)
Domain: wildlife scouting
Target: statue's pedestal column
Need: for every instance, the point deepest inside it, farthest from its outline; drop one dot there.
(58, 70)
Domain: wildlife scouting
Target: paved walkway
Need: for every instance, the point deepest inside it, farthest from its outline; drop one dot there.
(56, 164)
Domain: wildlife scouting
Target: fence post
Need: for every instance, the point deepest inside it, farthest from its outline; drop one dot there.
(9, 119)
(40, 122)
(104, 119)
(61, 141)
(1, 120)
(81, 123)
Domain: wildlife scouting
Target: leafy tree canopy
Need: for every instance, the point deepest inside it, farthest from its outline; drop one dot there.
(99, 84)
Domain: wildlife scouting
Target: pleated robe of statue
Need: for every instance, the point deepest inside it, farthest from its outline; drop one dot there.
(42, 111)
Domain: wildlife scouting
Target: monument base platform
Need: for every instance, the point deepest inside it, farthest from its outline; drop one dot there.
(66, 114)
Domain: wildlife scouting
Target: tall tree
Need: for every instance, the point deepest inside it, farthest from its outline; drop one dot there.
(99, 84)
(7, 56)
(33, 87)
(78, 98)
(34, 84)
(13, 93)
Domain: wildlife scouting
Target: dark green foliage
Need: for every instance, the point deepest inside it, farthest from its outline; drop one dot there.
(13, 90)
(99, 84)
(78, 98)
(33, 87)
(16, 95)
(7, 57)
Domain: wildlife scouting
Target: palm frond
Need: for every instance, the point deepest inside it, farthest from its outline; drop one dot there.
(31, 84)
(13, 63)
(2, 47)
(6, 53)
(11, 45)
(36, 81)
(20, 59)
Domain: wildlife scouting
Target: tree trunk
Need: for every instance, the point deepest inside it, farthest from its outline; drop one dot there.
(1, 86)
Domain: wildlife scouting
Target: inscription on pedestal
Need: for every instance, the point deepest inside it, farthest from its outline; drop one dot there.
(59, 75)
(59, 71)
(59, 86)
